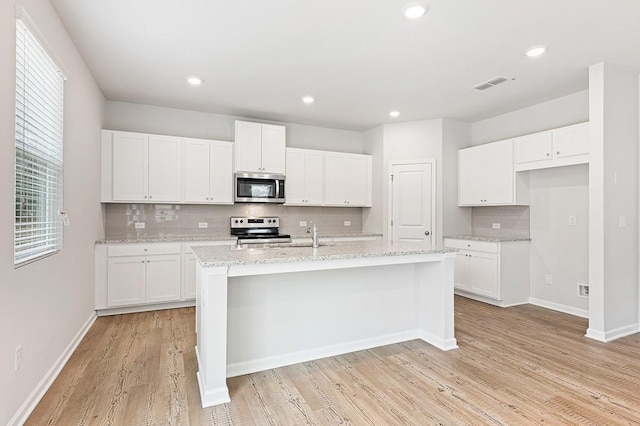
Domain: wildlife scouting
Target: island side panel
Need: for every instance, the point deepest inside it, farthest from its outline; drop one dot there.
(211, 328)
(436, 303)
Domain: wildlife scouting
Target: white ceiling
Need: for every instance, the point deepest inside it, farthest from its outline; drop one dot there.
(359, 58)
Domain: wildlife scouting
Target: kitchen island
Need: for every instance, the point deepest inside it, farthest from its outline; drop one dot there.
(258, 309)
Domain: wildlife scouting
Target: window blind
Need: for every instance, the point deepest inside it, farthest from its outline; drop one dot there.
(38, 150)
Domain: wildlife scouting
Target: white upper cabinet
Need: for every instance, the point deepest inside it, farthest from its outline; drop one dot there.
(486, 176)
(554, 148)
(347, 180)
(146, 167)
(208, 172)
(259, 148)
(130, 166)
(304, 177)
(165, 168)
(572, 142)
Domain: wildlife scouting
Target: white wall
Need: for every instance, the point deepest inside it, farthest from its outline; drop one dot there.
(455, 136)
(558, 112)
(557, 248)
(613, 249)
(168, 121)
(45, 304)
(372, 220)
(415, 140)
(571, 185)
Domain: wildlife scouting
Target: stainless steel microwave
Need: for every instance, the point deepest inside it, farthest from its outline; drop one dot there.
(259, 188)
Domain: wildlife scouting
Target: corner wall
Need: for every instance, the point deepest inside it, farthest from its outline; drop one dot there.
(555, 194)
(47, 305)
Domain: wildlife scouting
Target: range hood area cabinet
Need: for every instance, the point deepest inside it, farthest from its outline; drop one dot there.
(564, 146)
(486, 176)
(260, 148)
(146, 168)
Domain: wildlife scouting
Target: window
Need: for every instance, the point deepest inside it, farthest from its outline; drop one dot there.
(38, 150)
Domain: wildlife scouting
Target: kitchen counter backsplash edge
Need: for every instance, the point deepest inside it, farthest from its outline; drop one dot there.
(196, 238)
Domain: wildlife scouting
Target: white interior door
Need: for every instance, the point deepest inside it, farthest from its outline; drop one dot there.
(412, 202)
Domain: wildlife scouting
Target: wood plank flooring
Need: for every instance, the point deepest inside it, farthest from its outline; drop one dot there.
(517, 366)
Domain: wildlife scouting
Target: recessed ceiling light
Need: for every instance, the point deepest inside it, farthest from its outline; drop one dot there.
(415, 9)
(394, 114)
(194, 81)
(308, 99)
(536, 51)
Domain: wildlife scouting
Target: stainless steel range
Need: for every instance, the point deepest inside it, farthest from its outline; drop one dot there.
(258, 230)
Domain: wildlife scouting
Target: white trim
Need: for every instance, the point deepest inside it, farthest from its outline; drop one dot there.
(22, 15)
(45, 383)
(611, 335)
(145, 308)
(240, 368)
(582, 313)
(434, 195)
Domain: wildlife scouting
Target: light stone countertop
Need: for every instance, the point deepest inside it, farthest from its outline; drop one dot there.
(228, 256)
(196, 238)
(486, 238)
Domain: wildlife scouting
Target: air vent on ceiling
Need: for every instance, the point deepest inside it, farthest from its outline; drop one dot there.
(493, 82)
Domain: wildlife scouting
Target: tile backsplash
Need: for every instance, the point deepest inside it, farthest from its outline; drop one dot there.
(513, 220)
(183, 219)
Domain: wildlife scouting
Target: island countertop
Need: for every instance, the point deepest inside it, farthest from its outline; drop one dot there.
(230, 255)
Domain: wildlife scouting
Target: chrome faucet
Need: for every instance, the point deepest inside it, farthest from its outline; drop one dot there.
(313, 230)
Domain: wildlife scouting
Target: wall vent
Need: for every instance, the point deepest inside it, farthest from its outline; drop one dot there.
(493, 82)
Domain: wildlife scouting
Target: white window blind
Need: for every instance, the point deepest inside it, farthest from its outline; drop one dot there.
(38, 159)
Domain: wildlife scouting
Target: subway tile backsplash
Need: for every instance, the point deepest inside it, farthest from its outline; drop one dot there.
(181, 219)
(513, 220)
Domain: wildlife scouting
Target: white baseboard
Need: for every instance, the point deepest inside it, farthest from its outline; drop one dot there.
(583, 313)
(261, 364)
(36, 395)
(611, 335)
(145, 308)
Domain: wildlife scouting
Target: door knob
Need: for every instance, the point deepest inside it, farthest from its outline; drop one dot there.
(427, 233)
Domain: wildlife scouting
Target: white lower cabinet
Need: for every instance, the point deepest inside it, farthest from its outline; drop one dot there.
(137, 274)
(494, 272)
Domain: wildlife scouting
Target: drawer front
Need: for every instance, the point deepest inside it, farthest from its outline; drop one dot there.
(143, 249)
(484, 246)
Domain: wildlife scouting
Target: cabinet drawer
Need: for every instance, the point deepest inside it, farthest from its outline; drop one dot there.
(143, 249)
(485, 246)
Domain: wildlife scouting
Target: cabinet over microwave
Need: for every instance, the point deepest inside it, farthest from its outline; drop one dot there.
(259, 188)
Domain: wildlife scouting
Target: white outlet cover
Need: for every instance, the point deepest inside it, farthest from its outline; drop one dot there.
(303, 223)
(573, 220)
(496, 226)
(203, 224)
(347, 223)
(140, 225)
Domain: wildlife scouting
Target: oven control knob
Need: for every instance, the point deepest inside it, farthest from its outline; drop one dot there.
(241, 221)
(236, 220)
(269, 221)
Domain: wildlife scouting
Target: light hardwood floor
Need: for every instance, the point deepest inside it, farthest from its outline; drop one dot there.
(516, 366)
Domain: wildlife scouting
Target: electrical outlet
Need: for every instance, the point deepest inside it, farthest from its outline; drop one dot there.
(303, 223)
(496, 226)
(139, 225)
(203, 224)
(549, 279)
(622, 222)
(18, 359)
(347, 223)
(583, 290)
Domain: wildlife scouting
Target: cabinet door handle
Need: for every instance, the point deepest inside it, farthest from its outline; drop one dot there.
(427, 233)
(548, 154)
(557, 152)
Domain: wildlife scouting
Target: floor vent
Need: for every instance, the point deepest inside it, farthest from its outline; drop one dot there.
(493, 82)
